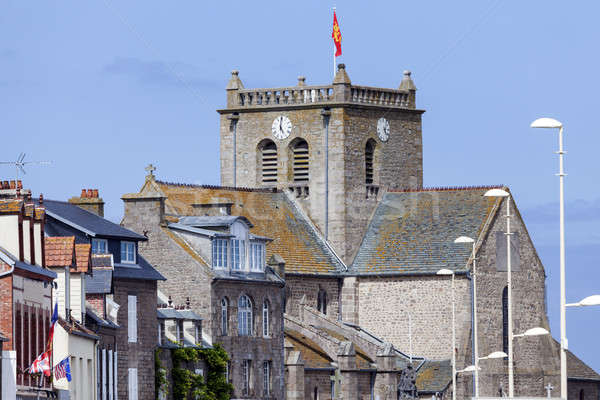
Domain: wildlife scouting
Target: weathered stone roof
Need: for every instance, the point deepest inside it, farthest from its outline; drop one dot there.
(433, 376)
(578, 370)
(312, 354)
(273, 215)
(413, 231)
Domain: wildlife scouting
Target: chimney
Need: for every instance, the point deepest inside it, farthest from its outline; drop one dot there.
(89, 201)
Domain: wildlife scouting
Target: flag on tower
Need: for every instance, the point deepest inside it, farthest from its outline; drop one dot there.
(63, 370)
(337, 36)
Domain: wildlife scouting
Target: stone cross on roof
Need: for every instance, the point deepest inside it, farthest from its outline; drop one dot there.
(150, 168)
(549, 388)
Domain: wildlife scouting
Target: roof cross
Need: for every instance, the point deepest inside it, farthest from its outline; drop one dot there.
(150, 168)
(549, 388)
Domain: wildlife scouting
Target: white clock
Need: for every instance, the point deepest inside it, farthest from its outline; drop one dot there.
(282, 127)
(383, 129)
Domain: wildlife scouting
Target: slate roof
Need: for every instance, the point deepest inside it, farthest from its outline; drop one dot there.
(87, 222)
(3, 338)
(413, 232)
(142, 270)
(90, 313)
(576, 368)
(199, 231)
(74, 328)
(83, 257)
(59, 251)
(273, 215)
(23, 266)
(172, 313)
(268, 276)
(100, 282)
(433, 376)
(221, 220)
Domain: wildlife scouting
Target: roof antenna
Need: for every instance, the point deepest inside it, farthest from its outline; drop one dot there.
(20, 163)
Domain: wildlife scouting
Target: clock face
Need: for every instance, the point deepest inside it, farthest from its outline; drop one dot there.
(282, 127)
(383, 129)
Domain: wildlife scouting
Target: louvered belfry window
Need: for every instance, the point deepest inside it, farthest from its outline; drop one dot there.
(269, 163)
(369, 155)
(300, 153)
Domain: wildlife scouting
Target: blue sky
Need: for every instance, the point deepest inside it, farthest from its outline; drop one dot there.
(103, 88)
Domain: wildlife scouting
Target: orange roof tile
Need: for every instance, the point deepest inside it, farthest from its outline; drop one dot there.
(59, 251)
(83, 257)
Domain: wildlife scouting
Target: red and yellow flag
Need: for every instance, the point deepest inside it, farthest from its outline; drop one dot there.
(337, 36)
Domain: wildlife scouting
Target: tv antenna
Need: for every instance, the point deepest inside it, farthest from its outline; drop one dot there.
(21, 163)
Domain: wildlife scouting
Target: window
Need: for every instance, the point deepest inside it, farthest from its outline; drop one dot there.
(265, 318)
(179, 325)
(128, 252)
(581, 395)
(159, 333)
(316, 393)
(227, 371)
(244, 316)
(301, 158)
(505, 320)
(132, 319)
(224, 316)
(266, 378)
(220, 253)
(322, 301)
(238, 251)
(246, 379)
(198, 332)
(257, 256)
(268, 155)
(369, 156)
(132, 384)
(99, 246)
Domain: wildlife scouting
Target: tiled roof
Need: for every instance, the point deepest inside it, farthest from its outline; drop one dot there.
(100, 282)
(82, 257)
(413, 232)
(312, 354)
(86, 221)
(272, 214)
(59, 251)
(433, 376)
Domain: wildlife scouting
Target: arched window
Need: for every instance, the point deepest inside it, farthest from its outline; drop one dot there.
(316, 393)
(224, 316)
(244, 316)
(265, 319)
(268, 158)
(322, 301)
(505, 320)
(581, 395)
(300, 160)
(369, 157)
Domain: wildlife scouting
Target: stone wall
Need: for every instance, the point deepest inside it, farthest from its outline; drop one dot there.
(319, 380)
(256, 347)
(140, 354)
(582, 390)
(307, 287)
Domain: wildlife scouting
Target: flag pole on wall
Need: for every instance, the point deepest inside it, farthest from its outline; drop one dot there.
(336, 35)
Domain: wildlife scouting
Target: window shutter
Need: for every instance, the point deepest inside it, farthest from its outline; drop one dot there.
(133, 384)
(132, 319)
(269, 163)
(116, 375)
(110, 375)
(369, 153)
(103, 374)
(301, 158)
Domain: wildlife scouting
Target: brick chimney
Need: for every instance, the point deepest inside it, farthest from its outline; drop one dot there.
(89, 201)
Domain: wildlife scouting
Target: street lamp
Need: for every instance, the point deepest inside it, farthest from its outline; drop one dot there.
(511, 380)
(473, 368)
(552, 123)
(466, 239)
(495, 354)
(588, 301)
(447, 272)
(533, 332)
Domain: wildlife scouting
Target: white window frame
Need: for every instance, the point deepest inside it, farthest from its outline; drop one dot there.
(98, 241)
(246, 376)
(220, 253)
(132, 384)
(132, 319)
(265, 317)
(238, 254)
(244, 316)
(126, 260)
(257, 256)
(266, 378)
(224, 316)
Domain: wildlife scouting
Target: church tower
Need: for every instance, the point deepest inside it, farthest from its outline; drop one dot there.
(335, 148)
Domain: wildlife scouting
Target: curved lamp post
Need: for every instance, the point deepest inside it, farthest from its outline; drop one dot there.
(447, 272)
(588, 301)
(511, 380)
(466, 239)
(533, 332)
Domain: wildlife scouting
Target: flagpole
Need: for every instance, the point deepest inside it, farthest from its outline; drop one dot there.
(334, 51)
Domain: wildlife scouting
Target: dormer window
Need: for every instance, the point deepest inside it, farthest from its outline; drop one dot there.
(99, 246)
(128, 252)
(220, 247)
(238, 254)
(257, 256)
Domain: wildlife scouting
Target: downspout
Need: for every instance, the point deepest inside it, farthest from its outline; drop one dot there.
(468, 275)
(326, 113)
(234, 120)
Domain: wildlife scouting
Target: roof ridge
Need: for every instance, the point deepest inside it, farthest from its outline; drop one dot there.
(238, 189)
(446, 188)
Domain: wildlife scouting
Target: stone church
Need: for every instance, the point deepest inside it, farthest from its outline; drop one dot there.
(322, 197)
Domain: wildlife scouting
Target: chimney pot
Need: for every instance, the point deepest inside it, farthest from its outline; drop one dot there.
(83, 193)
(95, 193)
(41, 199)
(12, 185)
(90, 194)
(19, 184)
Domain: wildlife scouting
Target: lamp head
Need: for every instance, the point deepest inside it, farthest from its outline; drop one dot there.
(463, 239)
(496, 193)
(546, 123)
(497, 354)
(536, 332)
(445, 272)
(470, 368)
(591, 300)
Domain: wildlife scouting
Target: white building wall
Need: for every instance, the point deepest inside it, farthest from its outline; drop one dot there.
(9, 238)
(9, 374)
(26, 242)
